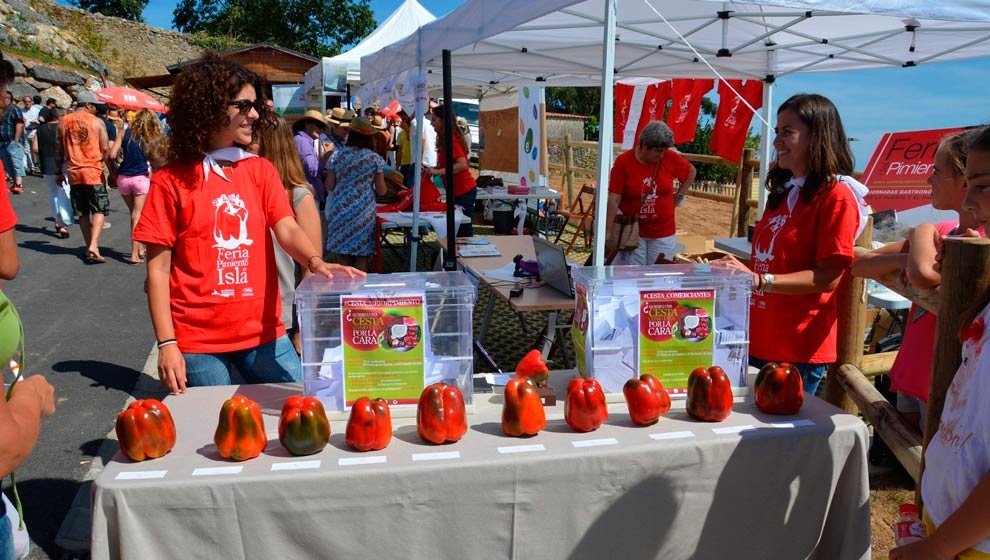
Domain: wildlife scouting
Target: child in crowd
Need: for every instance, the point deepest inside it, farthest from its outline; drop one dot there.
(956, 483)
(911, 372)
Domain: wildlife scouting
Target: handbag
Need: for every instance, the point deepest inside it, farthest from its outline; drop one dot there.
(624, 235)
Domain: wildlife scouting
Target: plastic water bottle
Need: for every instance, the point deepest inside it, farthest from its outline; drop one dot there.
(909, 527)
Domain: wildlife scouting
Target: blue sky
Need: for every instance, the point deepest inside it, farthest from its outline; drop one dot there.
(871, 102)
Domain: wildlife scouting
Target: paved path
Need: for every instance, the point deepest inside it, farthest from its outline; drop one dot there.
(87, 328)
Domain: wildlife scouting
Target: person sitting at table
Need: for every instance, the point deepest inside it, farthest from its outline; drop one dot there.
(212, 284)
(955, 486)
(804, 241)
(911, 372)
(355, 176)
(641, 187)
(465, 190)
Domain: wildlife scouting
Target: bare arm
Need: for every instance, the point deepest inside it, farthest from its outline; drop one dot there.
(330, 182)
(686, 183)
(380, 187)
(33, 398)
(104, 140)
(295, 242)
(924, 241)
(308, 218)
(171, 364)
(967, 526)
(880, 262)
(10, 262)
(823, 278)
(460, 164)
(610, 211)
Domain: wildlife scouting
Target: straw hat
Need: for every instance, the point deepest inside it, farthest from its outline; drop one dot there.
(362, 125)
(315, 116)
(340, 117)
(394, 176)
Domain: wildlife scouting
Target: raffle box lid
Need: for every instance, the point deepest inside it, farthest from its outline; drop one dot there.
(387, 336)
(662, 319)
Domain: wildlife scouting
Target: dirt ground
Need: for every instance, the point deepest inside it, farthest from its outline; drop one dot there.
(890, 487)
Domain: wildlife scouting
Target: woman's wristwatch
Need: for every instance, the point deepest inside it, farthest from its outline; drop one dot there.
(765, 283)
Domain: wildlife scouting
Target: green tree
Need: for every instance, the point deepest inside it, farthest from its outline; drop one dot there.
(127, 9)
(316, 27)
(584, 101)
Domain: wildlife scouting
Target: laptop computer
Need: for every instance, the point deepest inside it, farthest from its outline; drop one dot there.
(553, 267)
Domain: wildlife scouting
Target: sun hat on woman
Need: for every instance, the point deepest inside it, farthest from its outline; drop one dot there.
(362, 125)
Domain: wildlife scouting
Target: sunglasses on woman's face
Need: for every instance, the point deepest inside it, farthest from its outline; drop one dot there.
(244, 105)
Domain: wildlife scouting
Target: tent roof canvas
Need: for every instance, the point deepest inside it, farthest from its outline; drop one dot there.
(406, 19)
(559, 42)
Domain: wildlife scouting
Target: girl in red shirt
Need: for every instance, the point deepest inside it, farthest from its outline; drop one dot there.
(465, 191)
(212, 285)
(804, 241)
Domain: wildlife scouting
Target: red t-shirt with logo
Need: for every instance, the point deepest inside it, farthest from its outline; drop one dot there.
(224, 286)
(463, 180)
(652, 200)
(801, 328)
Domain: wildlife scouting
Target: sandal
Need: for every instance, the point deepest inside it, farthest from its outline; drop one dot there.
(93, 258)
(130, 261)
(62, 232)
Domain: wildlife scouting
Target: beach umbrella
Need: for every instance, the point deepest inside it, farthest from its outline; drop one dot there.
(130, 98)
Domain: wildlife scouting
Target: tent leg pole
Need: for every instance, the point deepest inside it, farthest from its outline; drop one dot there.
(605, 143)
(766, 143)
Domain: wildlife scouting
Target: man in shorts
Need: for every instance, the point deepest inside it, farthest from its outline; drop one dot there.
(84, 137)
(11, 142)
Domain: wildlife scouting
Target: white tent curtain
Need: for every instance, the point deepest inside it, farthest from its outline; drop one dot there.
(568, 42)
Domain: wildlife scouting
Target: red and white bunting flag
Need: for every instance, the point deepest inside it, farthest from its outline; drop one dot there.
(686, 95)
(635, 106)
(733, 117)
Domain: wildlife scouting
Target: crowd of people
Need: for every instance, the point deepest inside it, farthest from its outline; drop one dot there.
(234, 205)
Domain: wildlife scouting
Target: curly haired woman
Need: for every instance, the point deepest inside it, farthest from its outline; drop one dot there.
(134, 174)
(212, 286)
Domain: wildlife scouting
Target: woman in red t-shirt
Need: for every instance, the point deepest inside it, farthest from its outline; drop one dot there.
(212, 284)
(804, 241)
(465, 191)
(641, 186)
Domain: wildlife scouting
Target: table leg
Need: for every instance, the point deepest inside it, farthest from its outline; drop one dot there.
(479, 344)
(550, 335)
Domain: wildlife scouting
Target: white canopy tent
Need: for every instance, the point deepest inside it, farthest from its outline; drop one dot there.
(405, 20)
(595, 42)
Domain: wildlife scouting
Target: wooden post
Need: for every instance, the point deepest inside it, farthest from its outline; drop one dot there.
(902, 439)
(744, 184)
(965, 277)
(851, 308)
(569, 167)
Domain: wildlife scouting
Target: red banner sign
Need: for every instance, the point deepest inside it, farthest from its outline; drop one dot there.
(898, 172)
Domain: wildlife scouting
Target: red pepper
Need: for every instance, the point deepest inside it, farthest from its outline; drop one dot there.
(441, 415)
(369, 427)
(240, 432)
(145, 430)
(709, 394)
(533, 367)
(779, 389)
(303, 427)
(585, 409)
(646, 398)
(522, 413)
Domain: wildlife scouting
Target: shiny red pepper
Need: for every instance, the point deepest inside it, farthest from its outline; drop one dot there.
(441, 415)
(779, 389)
(369, 427)
(646, 398)
(240, 432)
(145, 430)
(522, 413)
(585, 409)
(303, 427)
(709, 394)
(533, 366)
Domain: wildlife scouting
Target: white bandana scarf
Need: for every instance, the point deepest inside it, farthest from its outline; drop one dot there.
(212, 160)
(858, 189)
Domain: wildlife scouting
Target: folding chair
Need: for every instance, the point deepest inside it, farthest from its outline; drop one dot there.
(582, 211)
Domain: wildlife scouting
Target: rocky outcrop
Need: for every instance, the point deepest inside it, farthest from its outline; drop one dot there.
(19, 88)
(56, 76)
(58, 94)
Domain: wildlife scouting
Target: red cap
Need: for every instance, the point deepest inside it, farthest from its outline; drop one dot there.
(906, 509)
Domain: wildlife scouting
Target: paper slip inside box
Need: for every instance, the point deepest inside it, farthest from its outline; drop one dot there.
(478, 251)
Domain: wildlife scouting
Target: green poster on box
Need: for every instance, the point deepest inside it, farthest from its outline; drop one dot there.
(676, 334)
(579, 329)
(384, 350)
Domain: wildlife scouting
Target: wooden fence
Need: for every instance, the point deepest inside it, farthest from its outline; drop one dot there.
(738, 194)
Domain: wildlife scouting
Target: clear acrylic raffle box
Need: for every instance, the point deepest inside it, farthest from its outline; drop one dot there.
(665, 320)
(387, 336)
